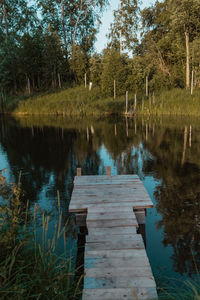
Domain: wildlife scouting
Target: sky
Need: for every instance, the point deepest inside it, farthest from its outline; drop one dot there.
(107, 19)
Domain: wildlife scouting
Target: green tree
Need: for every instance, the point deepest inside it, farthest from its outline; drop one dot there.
(185, 20)
(95, 69)
(76, 21)
(79, 64)
(114, 68)
(123, 31)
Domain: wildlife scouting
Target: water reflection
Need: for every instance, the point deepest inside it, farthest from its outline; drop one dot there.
(164, 152)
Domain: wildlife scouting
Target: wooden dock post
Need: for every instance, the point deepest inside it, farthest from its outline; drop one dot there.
(78, 171)
(192, 82)
(126, 102)
(90, 86)
(135, 103)
(190, 138)
(114, 89)
(85, 80)
(147, 87)
(108, 171)
(115, 130)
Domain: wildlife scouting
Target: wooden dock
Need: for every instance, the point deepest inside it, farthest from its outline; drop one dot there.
(116, 265)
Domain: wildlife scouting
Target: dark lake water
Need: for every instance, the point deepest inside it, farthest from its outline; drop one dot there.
(164, 152)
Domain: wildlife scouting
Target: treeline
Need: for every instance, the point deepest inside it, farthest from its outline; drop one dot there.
(50, 44)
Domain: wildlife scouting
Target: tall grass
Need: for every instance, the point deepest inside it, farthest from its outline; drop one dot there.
(185, 290)
(73, 101)
(79, 101)
(173, 102)
(30, 269)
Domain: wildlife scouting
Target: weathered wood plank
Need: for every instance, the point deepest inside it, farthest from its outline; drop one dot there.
(116, 245)
(120, 294)
(91, 178)
(111, 216)
(119, 282)
(103, 209)
(112, 231)
(116, 253)
(88, 199)
(106, 184)
(110, 190)
(83, 207)
(92, 238)
(112, 262)
(111, 223)
(119, 272)
(109, 185)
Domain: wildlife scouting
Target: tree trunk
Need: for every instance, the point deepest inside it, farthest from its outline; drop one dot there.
(59, 81)
(5, 18)
(1, 104)
(63, 24)
(28, 85)
(187, 59)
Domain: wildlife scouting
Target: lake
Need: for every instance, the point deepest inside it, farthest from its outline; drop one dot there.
(163, 151)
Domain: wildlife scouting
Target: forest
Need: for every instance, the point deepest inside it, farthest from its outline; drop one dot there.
(49, 44)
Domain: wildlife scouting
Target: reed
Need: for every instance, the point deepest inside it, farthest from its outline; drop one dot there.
(76, 101)
(181, 290)
(30, 269)
(172, 102)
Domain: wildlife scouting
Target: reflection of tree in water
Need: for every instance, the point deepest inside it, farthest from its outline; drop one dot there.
(49, 152)
(178, 198)
(47, 159)
(179, 206)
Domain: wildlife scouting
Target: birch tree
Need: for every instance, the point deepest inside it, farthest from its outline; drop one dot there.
(123, 31)
(185, 19)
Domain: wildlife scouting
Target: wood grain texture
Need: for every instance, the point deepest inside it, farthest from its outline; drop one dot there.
(119, 282)
(115, 245)
(112, 231)
(119, 272)
(115, 259)
(113, 262)
(111, 216)
(111, 223)
(120, 294)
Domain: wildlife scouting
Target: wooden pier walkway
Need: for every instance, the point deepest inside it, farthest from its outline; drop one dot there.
(116, 265)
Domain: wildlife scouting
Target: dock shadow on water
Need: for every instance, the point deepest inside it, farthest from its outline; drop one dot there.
(164, 152)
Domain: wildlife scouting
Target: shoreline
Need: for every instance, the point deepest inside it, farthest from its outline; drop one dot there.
(79, 101)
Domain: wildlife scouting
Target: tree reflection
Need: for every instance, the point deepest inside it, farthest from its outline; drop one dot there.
(178, 197)
(165, 149)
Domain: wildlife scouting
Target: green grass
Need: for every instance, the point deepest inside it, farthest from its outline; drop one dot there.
(30, 269)
(78, 101)
(173, 102)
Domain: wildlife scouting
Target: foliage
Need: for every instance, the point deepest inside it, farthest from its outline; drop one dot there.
(46, 44)
(172, 102)
(29, 269)
(114, 68)
(73, 101)
(123, 31)
(50, 45)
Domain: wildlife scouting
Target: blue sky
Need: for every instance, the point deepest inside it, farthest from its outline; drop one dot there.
(107, 19)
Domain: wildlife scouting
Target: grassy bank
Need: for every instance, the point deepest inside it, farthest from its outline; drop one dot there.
(173, 102)
(74, 101)
(30, 269)
(79, 101)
